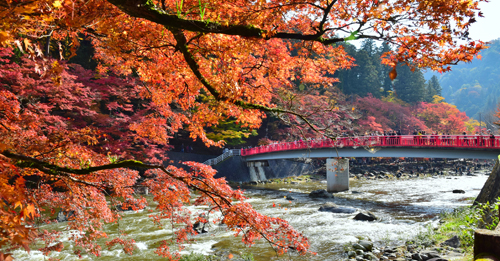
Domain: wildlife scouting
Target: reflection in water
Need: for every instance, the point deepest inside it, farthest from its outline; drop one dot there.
(403, 206)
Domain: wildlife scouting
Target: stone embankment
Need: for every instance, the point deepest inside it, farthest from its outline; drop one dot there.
(409, 170)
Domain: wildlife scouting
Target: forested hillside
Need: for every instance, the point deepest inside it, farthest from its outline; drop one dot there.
(370, 76)
(475, 87)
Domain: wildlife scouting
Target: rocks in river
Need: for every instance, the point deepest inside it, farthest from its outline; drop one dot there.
(365, 216)
(357, 246)
(64, 216)
(458, 191)
(288, 197)
(452, 242)
(320, 193)
(200, 227)
(333, 208)
(327, 206)
(368, 245)
(363, 250)
(426, 255)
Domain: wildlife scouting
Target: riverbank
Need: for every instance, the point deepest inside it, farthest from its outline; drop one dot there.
(449, 238)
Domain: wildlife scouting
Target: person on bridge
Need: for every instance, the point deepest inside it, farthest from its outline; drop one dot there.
(492, 138)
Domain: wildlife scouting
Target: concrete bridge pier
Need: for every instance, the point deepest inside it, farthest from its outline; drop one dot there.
(256, 170)
(337, 175)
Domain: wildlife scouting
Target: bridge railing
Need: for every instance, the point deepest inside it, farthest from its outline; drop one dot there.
(227, 154)
(442, 141)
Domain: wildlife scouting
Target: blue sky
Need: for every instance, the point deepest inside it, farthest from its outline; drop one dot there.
(488, 27)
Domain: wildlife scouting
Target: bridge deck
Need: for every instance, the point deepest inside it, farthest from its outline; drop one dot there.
(426, 142)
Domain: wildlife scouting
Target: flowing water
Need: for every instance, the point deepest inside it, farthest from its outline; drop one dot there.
(404, 208)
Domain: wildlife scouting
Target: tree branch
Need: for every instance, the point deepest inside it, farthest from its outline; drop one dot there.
(29, 162)
(147, 10)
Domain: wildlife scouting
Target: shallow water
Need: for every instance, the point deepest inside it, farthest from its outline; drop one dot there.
(404, 207)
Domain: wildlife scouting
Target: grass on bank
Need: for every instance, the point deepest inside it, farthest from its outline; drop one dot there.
(461, 222)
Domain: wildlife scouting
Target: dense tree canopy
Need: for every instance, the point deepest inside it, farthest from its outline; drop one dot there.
(67, 134)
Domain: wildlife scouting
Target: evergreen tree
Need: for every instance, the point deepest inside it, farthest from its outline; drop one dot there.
(363, 78)
(384, 70)
(433, 88)
(410, 86)
(366, 80)
(434, 83)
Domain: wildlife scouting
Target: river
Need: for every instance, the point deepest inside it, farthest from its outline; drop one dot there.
(404, 208)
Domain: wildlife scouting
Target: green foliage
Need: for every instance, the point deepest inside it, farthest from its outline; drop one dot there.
(409, 85)
(231, 133)
(463, 221)
(460, 222)
(370, 76)
(363, 78)
(194, 257)
(427, 237)
(433, 88)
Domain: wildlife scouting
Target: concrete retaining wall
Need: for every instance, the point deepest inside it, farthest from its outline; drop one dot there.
(235, 168)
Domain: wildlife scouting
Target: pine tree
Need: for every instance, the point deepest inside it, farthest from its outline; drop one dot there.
(384, 70)
(432, 88)
(364, 77)
(410, 86)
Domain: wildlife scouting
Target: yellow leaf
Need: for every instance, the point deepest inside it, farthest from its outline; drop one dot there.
(4, 38)
(18, 204)
(29, 211)
(57, 4)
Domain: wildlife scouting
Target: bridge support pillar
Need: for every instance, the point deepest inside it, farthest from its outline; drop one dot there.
(337, 175)
(257, 172)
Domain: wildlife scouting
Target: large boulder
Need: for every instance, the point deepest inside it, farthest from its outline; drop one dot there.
(365, 216)
(320, 193)
(452, 242)
(357, 246)
(491, 189)
(368, 245)
(333, 208)
(429, 254)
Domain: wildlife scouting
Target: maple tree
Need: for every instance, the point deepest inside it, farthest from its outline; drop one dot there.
(442, 117)
(68, 138)
(388, 114)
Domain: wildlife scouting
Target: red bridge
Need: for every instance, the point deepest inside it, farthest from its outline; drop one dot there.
(374, 143)
(338, 151)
